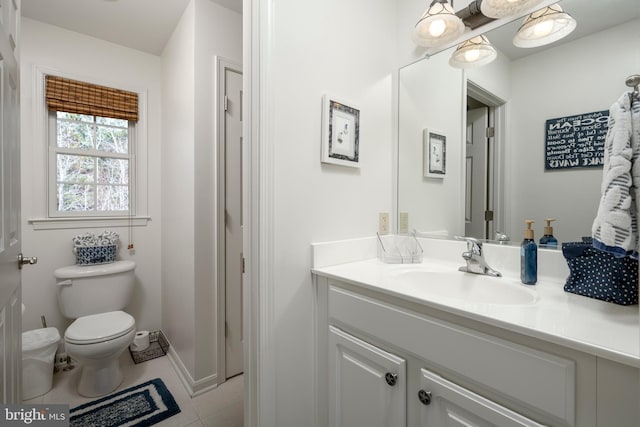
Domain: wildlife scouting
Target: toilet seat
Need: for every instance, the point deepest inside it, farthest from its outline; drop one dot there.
(98, 328)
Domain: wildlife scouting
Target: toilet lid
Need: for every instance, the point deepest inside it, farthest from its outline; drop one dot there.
(99, 327)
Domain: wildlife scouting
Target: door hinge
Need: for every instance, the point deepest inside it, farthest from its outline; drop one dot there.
(488, 215)
(226, 103)
(491, 132)
(242, 263)
(226, 329)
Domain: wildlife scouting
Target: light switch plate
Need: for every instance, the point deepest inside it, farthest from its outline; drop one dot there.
(383, 223)
(403, 226)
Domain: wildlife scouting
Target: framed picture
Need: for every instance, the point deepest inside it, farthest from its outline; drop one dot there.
(340, 132)
(434, 147)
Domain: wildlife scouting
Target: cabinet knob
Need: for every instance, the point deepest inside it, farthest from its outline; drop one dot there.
(425, 397)
(391, 379)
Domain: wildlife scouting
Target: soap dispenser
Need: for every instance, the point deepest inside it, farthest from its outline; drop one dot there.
(548, 241)
(528, 257)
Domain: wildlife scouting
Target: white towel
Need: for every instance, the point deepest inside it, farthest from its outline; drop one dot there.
(615, 228)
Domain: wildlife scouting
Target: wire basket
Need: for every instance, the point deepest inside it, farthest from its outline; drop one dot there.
(158, 346)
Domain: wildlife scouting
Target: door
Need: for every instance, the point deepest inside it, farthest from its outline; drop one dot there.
(233, 221)
(476, 173)
(10, 242)
(367, 386)
(445, 404)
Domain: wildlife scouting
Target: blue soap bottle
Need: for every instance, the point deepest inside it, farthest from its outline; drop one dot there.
(547, 240)
(528, 257)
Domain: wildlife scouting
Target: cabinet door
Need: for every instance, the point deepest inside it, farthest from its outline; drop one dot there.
(367, 385)
(445, 404)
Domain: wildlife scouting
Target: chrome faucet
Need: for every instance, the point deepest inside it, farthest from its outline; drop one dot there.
(475, 258)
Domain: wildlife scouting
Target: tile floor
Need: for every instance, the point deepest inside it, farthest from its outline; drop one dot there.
(221, 407)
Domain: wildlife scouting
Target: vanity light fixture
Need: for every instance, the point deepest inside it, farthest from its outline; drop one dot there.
(544, 26)
(504, 8)
(438, 25)
(474, 52)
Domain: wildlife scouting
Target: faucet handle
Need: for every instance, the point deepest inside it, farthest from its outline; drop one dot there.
(473, 244)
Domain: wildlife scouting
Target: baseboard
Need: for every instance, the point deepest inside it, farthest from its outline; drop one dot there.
(194, 388)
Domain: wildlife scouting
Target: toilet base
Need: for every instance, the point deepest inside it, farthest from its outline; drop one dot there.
(99, 380)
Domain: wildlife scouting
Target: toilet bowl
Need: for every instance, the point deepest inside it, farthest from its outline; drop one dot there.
(96, 342)
(95, 296)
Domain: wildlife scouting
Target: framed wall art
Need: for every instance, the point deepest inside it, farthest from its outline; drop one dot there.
(340, 132)
(434, 146)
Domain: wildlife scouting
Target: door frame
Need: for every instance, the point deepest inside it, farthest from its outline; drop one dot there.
(221, 65)
(498, 153)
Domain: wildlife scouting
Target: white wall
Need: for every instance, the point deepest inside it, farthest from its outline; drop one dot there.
(69, 53)
(178, 192)
(594, 69)
(205, 31)
(346, 49)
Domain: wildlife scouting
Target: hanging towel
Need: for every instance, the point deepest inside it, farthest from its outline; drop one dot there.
(615, 229)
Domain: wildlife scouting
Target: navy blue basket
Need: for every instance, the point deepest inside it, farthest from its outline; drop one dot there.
(600, 275)
(91, 255)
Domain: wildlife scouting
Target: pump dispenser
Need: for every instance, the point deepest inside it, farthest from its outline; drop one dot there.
(528, 257)
(548, 241)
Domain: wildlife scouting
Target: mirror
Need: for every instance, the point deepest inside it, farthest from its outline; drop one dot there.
(520, 91)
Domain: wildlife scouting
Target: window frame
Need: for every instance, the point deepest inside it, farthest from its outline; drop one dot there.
(52, 171)
(36, 141)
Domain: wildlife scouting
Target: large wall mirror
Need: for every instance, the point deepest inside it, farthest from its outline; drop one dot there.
(492, 182)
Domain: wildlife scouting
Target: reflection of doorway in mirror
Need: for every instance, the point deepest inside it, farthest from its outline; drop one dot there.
(485, 184)
(477, 179)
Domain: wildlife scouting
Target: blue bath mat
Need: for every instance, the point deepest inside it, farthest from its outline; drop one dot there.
(143, 405)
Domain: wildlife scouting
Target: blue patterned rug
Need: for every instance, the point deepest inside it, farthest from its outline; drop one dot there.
(143, 405)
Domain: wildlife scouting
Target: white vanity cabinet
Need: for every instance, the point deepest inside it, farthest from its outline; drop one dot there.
(366, 384)
(452, 371)
(446, 404)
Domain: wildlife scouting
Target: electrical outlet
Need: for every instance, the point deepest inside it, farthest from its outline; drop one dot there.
(403, 227)
(383, 223)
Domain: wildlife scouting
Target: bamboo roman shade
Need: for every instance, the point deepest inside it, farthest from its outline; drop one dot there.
(77, 97)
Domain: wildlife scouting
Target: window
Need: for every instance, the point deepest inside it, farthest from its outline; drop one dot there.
(91, 149)
(91, 165)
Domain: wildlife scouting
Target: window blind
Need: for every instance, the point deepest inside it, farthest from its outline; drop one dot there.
(77, 97)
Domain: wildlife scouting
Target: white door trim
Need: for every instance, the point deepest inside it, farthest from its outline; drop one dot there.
(221, 64)
(258, 192)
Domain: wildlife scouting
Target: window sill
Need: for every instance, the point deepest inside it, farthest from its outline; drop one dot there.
(88, 222)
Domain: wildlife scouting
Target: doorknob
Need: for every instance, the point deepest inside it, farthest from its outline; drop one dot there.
(22, 260)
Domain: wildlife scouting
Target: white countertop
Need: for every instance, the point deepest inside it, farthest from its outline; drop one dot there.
(603, 329)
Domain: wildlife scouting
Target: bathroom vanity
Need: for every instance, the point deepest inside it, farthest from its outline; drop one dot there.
(427, 345)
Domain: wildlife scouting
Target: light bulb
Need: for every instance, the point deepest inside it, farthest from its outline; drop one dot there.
(472, 55)
(437, 27)
(543, 28)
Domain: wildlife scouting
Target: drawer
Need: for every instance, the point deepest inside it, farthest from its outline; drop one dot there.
(532, 378)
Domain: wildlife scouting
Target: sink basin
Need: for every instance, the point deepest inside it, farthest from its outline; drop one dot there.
(471, 288)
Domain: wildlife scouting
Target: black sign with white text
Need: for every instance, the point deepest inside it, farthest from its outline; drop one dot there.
(576, 141)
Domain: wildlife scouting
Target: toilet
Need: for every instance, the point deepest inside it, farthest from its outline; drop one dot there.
(95, 296)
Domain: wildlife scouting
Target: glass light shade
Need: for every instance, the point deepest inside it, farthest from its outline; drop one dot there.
(438, 25)
(504, 8)
(474, 52)
(544, 26)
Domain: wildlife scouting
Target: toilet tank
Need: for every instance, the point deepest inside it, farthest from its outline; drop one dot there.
(92, 289)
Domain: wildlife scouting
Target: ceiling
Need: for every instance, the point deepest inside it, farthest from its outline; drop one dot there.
(145, 25)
